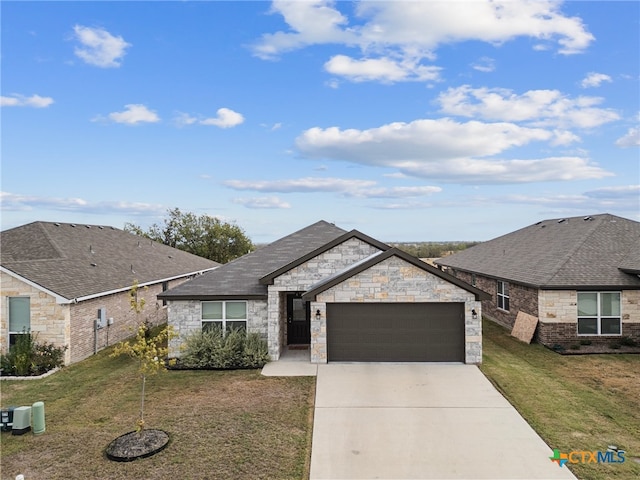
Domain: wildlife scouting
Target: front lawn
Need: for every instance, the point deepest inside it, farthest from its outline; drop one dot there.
(223, 424)
(575, 403)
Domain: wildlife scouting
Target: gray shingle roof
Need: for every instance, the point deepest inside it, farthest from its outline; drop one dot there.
(559, 253)
(240, 278)
(85, 260)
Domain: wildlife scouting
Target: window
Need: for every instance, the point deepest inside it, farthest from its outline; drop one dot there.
(599, 313)
(165, 287)
(503, 295)
(19, 317)
(224, 315)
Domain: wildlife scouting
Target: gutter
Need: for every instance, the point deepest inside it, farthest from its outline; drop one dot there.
(60, 300)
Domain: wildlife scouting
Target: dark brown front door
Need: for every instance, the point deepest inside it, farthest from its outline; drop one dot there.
(298, 320)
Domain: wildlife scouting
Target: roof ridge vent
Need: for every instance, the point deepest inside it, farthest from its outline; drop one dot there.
(562, 220)
(588, 218)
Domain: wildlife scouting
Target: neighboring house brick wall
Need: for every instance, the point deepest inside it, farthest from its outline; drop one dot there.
(556, 311)
(395, 280)
(521, 299)
(559, 319)
(185, 316)
(85, 341)
(49, 319)
(73, 324)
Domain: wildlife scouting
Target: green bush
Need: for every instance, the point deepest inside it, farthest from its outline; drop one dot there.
(628, 342)
(211, 349)
(28, 357)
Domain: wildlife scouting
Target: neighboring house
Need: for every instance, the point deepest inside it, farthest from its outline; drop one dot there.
(344, 294)
(579, 276)
(70, 283)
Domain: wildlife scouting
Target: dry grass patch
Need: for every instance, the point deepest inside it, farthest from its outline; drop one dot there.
(223, 424)
(574, 402)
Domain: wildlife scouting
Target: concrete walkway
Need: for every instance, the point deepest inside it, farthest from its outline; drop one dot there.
(421, 421)
(292, 363)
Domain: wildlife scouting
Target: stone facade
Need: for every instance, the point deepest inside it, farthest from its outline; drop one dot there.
(49, 319)
(300, 278)
(185, 316)
(72, 324)
(557, 311)
(392, 280)
(395, 280)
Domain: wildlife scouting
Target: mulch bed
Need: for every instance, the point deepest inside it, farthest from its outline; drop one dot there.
(134, 445)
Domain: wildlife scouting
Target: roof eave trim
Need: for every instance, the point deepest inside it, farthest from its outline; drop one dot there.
(170, 298)
(268, 279)
(144, 284)
(60, 300)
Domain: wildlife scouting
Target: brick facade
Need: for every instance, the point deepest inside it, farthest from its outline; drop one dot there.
(72, 324)
(556, 310)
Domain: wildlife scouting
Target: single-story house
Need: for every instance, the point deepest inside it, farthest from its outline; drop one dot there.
(579, 276)
(344, 295)
(69, 283)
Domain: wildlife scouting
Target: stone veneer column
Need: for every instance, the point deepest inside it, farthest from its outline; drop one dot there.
(318, 333)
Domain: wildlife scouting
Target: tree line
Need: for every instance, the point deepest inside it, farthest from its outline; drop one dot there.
(203, 235)
(432, 249)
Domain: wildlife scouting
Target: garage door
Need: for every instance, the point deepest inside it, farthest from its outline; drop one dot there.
(395, 332)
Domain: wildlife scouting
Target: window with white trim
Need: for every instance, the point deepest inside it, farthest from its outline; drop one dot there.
(503, 295)
(19, 317)
(225, 315)
(599, 313)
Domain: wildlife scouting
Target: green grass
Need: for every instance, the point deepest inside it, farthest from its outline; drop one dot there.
(582, 402)
(223, 424)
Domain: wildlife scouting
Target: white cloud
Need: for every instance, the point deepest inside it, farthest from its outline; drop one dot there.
(346, 187)
(629, 139)
(226, 118)
(184, 119)
(17, 100)
(98, 47)
(616, 198)
(384, 69)
(484, 64)
(307, 184)
(539, 107)
(133, 114)
(594, 79)
(311, 22)
(449, 151)
(392, 34)
(262, 202)
(420, 140)
(17, 202)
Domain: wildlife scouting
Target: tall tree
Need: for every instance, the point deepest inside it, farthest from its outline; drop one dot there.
(203, 235)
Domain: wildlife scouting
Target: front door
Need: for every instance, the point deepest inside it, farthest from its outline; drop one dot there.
(298, 320)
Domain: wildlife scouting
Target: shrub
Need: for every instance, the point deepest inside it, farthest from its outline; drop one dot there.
(213, 350)
(27, 357)
(628, 342)
(614, 345)
(585, 341)
(575, 346)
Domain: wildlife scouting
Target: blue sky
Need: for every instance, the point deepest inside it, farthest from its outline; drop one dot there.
(409, 121)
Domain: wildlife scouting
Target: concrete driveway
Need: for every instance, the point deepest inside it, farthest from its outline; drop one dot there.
(421, 421)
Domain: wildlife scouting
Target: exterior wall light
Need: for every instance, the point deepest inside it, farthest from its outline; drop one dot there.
(318, 315)
(474, 314)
